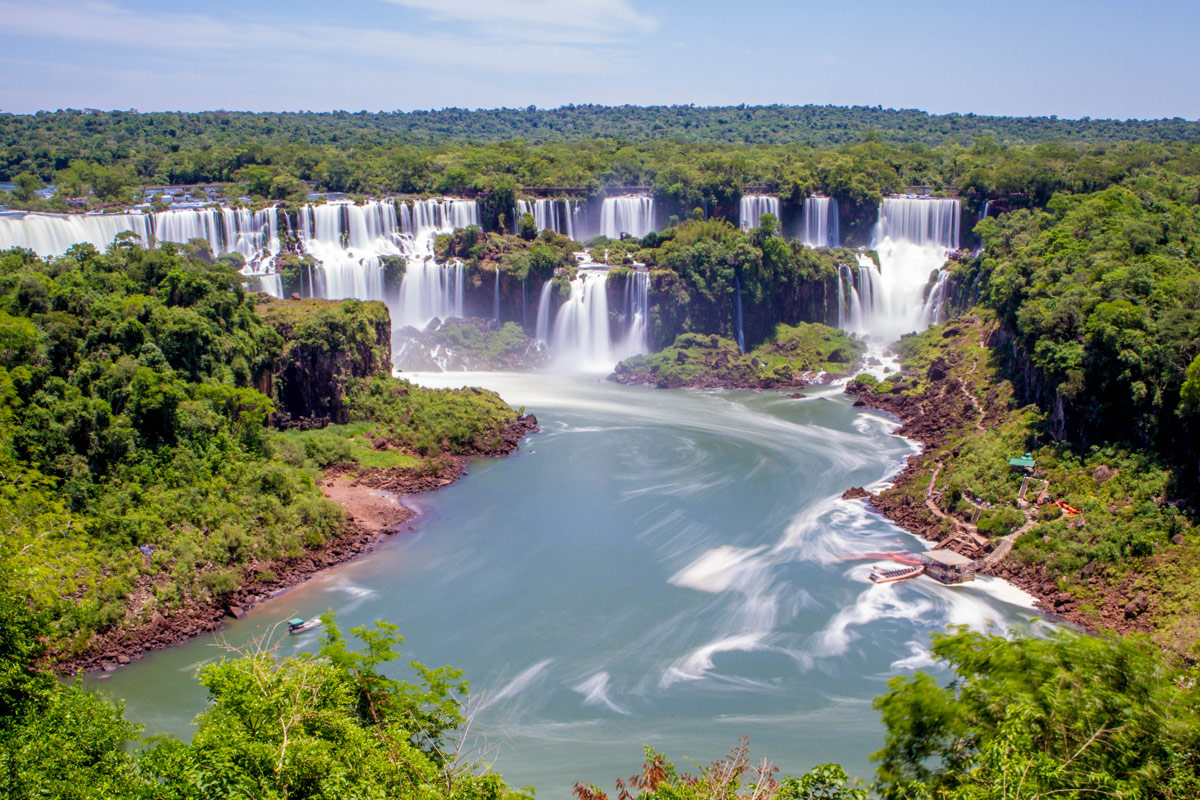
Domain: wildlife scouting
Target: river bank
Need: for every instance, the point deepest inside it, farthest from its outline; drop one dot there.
(946, 396)
(373, 501)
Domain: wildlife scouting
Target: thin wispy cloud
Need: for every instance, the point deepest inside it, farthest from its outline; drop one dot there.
(576, 20)
(110, 24)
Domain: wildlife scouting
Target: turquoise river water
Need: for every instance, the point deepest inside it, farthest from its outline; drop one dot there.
(666, 568)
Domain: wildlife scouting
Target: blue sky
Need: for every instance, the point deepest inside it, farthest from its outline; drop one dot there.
(1098, 59)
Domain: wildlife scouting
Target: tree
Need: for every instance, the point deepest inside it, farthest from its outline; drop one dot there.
(1023, 718)
(528, 229)
(27, 184)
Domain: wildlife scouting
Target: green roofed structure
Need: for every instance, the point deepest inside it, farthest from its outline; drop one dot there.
(1024, 462)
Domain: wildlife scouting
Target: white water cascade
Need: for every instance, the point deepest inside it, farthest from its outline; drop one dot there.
(849, 303)
(584, 337)
(635, 316)
(741, 336)
(581, 339)
(913, 237)
(253, 234)
(754, 206)
(542, 331)
(548, 214)
(496, 298)
(819, 222)
(349, 241)
(632, 215)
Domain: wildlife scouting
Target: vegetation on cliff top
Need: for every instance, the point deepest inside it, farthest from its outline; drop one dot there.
(136, 462)
(794, 356)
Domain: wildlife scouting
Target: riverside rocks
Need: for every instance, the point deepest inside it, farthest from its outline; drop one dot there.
(933, 417)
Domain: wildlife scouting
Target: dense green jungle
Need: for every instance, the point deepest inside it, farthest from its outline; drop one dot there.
(164, 429)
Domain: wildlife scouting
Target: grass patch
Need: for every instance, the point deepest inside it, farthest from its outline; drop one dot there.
(354, 442)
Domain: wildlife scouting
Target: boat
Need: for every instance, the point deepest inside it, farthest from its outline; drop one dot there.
(297, 625)
(882, 574)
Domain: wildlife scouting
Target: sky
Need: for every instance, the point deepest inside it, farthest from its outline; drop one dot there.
(1103, 59)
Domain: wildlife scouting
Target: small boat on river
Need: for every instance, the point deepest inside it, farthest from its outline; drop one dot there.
(887, 574)
(297, 625)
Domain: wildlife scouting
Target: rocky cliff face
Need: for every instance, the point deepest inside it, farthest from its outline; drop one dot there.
(327, 343)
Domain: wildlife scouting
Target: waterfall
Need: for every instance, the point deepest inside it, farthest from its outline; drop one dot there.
(932, 310)
(348, 241)
(635, 316)
(632, 215)
(919, 220)
(271, 285)
(429, 290)
(983, 212)
(841, 322)
(819, 222)
(913, 237)
(754, 206)
(255, 235)
(850, 309)
(548, 214)
(741, 336)
(496, 298)
(543, 315)
(581, 337)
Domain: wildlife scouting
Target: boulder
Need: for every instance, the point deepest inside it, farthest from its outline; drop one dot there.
(1137, 606)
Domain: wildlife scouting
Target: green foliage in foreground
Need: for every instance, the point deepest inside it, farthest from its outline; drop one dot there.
(1070, 716)
(793, 355)
(330, 725)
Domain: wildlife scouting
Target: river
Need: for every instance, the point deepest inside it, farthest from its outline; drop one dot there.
(674, 569)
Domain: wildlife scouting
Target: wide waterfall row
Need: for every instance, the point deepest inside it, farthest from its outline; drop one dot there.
(348, 242)
(906, 291)
(549, 214)
(632, 215)
(253, 234)
(754, 206)
(819, 226)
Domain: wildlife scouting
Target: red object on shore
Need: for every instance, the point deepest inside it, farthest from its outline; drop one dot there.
(1066, 507)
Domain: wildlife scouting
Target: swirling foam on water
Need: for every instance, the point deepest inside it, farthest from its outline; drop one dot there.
(668, 567)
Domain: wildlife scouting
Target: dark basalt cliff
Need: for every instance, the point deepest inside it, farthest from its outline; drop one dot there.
(326, 344)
